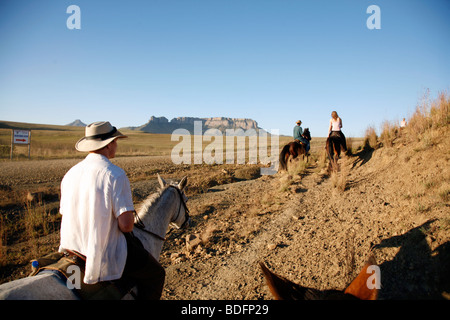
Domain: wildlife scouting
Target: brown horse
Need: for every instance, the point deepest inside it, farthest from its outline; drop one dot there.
(293, 149)
(283, 289)
(333, 147)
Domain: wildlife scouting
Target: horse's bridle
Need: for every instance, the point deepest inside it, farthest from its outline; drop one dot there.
(140, 225)
(187, 219)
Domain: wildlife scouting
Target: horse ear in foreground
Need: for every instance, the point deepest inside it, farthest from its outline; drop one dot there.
(283, 289)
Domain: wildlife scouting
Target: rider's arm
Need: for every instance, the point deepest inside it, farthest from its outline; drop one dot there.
(126, 221)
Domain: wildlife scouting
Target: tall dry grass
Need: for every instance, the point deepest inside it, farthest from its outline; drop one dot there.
(389, 132)
(339, 178)
(370, 138)
(37, 220)
(428, 116)
(422, 126)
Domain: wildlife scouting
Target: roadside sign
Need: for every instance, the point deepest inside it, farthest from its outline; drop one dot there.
(21, 137)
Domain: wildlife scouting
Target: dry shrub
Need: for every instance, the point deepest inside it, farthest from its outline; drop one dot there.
(248, 173)
(297, 166)
(285, 182)
(389, 132)
(339, 178)
(322, 161)
(349, 142)
(202, 182)
(370, 138)
(429, 115)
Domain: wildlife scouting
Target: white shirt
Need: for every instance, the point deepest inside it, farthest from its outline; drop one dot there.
(93, 194)
(336, 125)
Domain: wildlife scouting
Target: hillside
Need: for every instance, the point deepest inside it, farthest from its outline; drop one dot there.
(35, 126)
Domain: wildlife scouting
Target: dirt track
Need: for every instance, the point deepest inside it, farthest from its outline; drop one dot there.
(314, 235)
(303, 227)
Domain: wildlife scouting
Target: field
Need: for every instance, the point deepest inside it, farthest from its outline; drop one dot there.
(390, 199)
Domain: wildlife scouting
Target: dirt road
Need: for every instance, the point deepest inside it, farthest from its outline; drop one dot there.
(320, 230)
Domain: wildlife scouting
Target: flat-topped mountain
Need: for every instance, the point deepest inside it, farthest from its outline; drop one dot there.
(163, 125)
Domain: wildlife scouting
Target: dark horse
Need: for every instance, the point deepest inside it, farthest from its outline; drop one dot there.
(293, 149)
(333, 147)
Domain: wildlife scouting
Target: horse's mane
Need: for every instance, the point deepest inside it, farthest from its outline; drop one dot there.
(152, 199)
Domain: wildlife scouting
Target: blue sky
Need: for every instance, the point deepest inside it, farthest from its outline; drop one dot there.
(275, 61)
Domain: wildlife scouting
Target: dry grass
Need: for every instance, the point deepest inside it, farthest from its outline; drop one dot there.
(389, 132)
(298, 166)
(339, 178)
(60, 144)
(429, 115)
(370, 138)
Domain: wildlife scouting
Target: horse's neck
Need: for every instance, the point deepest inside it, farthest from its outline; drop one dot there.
(156, 219)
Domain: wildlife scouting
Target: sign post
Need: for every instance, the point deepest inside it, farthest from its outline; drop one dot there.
(22, 137)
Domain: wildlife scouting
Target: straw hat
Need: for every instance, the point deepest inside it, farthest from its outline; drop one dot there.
(298, 122)
(97, 136)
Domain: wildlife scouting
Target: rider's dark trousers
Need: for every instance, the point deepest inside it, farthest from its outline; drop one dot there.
(143, 269)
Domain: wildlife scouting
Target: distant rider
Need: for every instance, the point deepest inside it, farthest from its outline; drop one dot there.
(334, 129)
(298, 135)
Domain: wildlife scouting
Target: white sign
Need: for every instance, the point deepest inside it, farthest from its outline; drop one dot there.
(21, 137)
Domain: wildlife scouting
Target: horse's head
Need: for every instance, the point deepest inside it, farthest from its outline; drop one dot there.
(306, 134)
(181, 219)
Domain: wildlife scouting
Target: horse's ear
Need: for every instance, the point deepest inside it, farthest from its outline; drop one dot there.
(281, 288)
(273, 282)
(182, 183)
(161, 181)
(360, 285)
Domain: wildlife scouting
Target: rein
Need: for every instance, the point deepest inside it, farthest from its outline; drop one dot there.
(140, 225)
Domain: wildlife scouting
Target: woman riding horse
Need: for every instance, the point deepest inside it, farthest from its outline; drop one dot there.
(335, 141)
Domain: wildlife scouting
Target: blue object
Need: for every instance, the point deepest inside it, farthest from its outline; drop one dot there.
(35, 264)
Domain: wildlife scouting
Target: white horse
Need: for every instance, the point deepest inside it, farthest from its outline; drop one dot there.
(168, 206)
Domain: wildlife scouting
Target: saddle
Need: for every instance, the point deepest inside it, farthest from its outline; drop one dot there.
(335, 135)
(57, 261)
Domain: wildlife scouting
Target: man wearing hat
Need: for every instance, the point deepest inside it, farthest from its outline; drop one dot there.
(298, 132)
(98, 216)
